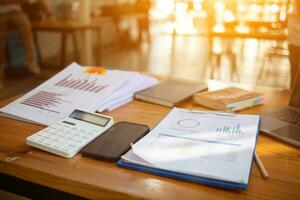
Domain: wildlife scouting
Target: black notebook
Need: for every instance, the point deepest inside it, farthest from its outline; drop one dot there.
(170, 92)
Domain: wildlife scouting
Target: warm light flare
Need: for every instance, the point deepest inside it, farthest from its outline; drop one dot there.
(188, 17)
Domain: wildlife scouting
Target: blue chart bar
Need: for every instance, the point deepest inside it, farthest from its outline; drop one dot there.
(78, 84)
(226, 129)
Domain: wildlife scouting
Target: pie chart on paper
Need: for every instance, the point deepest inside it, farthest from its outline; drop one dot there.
(188, 123)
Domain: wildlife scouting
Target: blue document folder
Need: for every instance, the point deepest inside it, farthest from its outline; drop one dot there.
(184, 177)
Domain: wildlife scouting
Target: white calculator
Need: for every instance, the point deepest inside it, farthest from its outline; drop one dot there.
(67, 137)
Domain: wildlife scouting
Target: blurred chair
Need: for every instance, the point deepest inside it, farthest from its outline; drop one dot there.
(279, 50)
(14, 52)
(137, 12)
(142, 8)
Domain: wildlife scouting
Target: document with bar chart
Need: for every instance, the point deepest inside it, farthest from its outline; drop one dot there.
(59, 96)
(205, 144)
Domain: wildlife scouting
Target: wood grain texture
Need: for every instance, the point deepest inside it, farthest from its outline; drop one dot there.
(100, 180)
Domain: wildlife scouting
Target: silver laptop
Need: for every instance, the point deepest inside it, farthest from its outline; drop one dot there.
(284, 124)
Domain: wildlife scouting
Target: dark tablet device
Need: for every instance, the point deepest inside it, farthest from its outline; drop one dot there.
(114, 142)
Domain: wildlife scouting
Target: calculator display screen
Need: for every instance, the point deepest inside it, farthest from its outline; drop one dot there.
(88, 117)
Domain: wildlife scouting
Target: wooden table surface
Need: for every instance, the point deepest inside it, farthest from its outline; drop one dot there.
(254, 30)
(101, 180)
(268, 35)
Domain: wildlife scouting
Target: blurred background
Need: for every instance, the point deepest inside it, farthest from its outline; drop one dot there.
(226, 40)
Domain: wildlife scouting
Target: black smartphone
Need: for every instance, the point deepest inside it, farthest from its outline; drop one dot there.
(114, 142)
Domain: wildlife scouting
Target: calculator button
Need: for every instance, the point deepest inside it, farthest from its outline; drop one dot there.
(69, 138)
(32, 138)
(65, 150)
(76, 134)
(61, 143)
(61, 137)
(72, 146)
(46, 137)
(49, 144)
(64, 134)
(57, 147)
(85, 137)
(91, 133)
(75, 138)
(55, 139)
(79, 141)
(47, 134)
(41, 140)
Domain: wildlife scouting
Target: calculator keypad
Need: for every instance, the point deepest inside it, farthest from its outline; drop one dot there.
(63, 139)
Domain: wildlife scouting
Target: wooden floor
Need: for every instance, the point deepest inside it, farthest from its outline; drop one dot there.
(187, 57)
(184, 57)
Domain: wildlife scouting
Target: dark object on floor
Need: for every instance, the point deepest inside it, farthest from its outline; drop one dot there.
(15, 59)
(32, 190)
(14, 51)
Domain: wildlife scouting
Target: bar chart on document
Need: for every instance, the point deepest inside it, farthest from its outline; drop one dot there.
(45, 100)
(56, 98)
(72, 91)
(53, 105)
(206, 128)
(81, 84)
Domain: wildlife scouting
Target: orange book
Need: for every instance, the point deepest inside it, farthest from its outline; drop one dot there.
(229, 99)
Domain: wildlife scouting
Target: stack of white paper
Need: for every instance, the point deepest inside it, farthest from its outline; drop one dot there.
(73, 88)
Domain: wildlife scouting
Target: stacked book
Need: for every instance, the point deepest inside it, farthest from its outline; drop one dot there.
(229, 99)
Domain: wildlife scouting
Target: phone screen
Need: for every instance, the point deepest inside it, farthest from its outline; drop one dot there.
(116, 141)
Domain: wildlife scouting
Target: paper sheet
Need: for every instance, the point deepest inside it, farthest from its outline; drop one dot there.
(204, 144)
(125, 93)
(70, 89)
